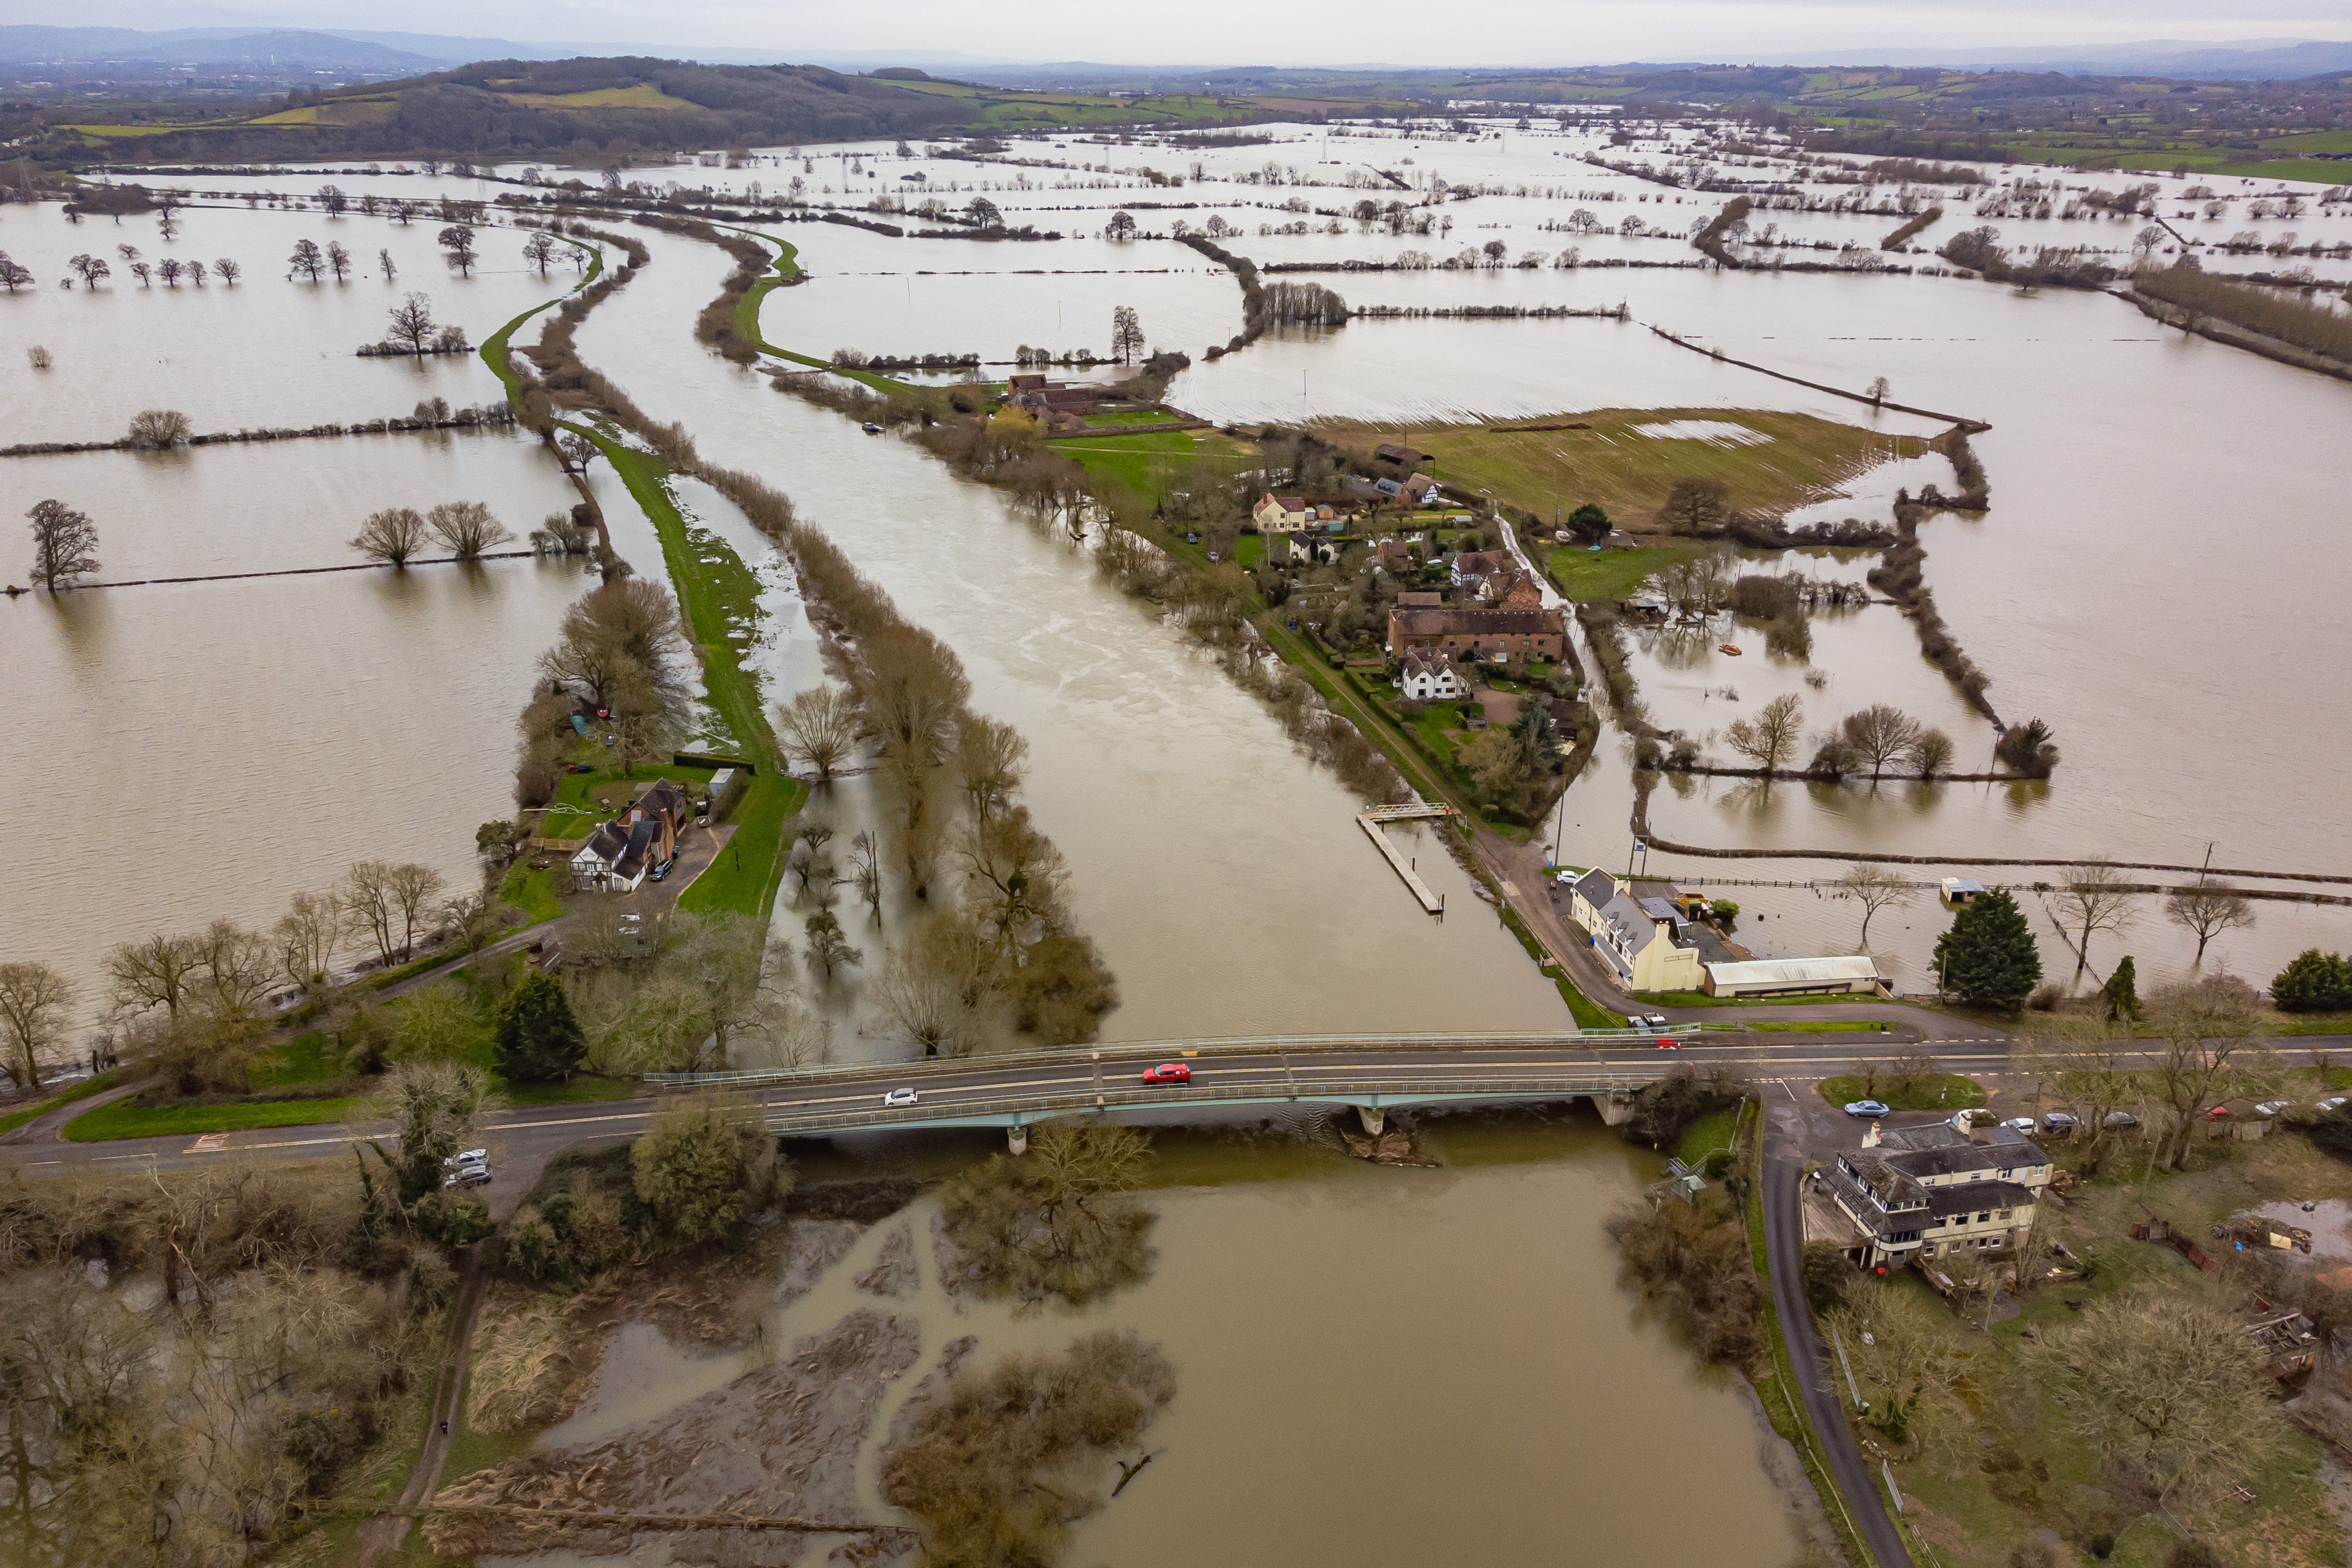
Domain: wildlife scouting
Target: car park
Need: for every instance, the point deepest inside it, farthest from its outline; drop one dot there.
(899, 1097)
(1168, 1072)
(1865, 1108)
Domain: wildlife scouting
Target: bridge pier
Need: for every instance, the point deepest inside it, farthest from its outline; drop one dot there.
(1616, 1107)
(1374, 1119)
(1016, 1139)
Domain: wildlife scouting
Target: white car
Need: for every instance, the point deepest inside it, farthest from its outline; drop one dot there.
(2272, 1107)
(2020, 1124)
(470, 1168)
(1963, 1120)
(899, 1097)
(2333, 1102)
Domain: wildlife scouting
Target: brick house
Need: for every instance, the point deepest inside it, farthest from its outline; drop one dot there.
(1491, 635)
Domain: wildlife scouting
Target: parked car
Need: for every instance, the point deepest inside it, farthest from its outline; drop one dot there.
(2020, 1124)
(1864, 1108)
(1654, 1020)
(2333, 1102)
(469, 1169)
(2219, 1113)
(1168, 1072)
(2272, 1107)
(871, 429)
(897, 1097)
(1965, 1121)
(2059, 1122)
(2121, 1120)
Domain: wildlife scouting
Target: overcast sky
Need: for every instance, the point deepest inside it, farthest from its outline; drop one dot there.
(1301, 32)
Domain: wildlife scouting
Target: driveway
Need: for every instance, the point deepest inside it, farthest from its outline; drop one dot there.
(1784, 1249)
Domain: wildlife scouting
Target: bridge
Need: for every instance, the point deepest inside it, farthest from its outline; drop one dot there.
(1372, 1074)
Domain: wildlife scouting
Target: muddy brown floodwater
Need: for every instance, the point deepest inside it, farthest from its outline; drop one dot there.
(1375, 1367)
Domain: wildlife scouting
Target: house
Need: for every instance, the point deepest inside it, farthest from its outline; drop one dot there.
(1401, 457)
(1281, 514)
(1934, 1192)
(1511, 591)
(1430, 677)
(1472, 567)
(1311, 548)
(620, 853)
(1794, 977)
(1643, 939)
(1035, 393)
(1421, 489)
(1388, 489)
(1421, 599)
(1491, 635)
(1392, 555)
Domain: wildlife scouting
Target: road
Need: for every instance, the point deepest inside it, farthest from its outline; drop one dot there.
(1784, 1251)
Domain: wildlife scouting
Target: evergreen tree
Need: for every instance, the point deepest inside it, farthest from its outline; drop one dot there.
(2121, 993)
(2313, 981)
(1987, 958)
(537, 1038)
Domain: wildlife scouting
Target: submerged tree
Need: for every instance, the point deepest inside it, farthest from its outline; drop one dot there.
(1873, 888)
(1055, 1223)
(64, 541)
(819, 726)
(159, 430)
(391, 535)
(467, 527)
(458, 239)
(1126, 334)
(308, 258)
(1770, 740)
(2207, 909)
(412, 323)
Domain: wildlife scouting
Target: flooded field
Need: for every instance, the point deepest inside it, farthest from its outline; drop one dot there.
(1391, 1367)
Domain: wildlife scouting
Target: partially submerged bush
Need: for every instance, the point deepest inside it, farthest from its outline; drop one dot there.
(1054, 1222)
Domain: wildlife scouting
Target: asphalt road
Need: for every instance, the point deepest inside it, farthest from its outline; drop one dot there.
(1784, 1251)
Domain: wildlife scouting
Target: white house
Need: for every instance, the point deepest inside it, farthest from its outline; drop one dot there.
(1310, 548)
(1281, 514)
(1642, 939)
(1429, 675)
(1932, 1192)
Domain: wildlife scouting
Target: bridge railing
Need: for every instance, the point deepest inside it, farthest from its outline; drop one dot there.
(1160, 1050)
(1032, 1106)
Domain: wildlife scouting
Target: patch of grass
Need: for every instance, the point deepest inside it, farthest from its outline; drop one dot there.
(493, 349)
(124, 1120)
(302, 1059)
(1709, 1133)
(1609, 461)
(1249, 549)
(1612, 574)
(534, 892)
(1935, 1091)
(1145, 464)
(744, 878)
(1816, 1026)
(639, 95)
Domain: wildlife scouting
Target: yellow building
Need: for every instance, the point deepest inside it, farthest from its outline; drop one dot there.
(1642, 940)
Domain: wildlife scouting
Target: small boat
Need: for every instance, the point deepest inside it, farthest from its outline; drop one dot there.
(1730, 647)
(871, 429)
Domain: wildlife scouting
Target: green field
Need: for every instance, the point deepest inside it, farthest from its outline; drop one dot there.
(1145, 464)
(1610, 575)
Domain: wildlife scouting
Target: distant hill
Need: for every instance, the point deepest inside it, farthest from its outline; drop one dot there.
(217, 47)
(585, 108)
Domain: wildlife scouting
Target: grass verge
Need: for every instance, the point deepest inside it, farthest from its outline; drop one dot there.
(81, 1090)
(1935, 1091)
(111, 1121)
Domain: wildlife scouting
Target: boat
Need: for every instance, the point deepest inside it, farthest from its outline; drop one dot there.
(1730, 647)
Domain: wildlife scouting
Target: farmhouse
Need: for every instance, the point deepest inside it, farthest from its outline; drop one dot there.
(1491, 635)
(1431, 678)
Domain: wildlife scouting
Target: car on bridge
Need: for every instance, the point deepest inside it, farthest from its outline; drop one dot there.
(899, 1097)
(1168, 1072)
(1668, 1043)
(1865, 1108)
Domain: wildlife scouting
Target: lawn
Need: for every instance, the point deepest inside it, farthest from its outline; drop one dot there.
(744, 878)
(1601, 457)
(536, 893)
(1609, 574)
(124, 1119)
(1931, 1092)
(1144, 464)
(1709, 1133)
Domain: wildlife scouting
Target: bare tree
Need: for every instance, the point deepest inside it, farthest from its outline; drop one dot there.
(391, 535)
(989, 755)
(13, 274)
(866, 872)
(229, 271)
(333, 198)
(307, 258)
(1932, 752)
(1771, 739)
(368, 906)
(2095, 898)
(412, 322)
(828, 948)
(412, 890)
(35, 1007)
(196, 270)
(2210, 1050)
(168, 269)
(820, 726)
(2082, 1065)
(64, 541)
(159, 972)
(390, 268)
(467, 527)
(458, 239)
(90, 270)
(538, 249)
(1126, 334)
(1881, 735)
(159, 430)
(2208, 909)
(1879, 390)
(307, 935)
(1874, 888)
(924, 1002)
(339, 260)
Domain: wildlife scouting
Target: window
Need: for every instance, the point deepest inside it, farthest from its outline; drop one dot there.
(1984, 1218)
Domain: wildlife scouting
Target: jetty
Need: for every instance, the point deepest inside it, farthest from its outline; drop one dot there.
(1371, 821)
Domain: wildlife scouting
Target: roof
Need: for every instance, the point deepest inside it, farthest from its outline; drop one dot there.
(1659, 909)
(1964, 1159)
(1438, 623)
(1963, 884)
(603, 845)
(1429, 661)
(1794, 971)
(1968, 1196)
(1596, 887)
(1421, 601)
(1480, 562)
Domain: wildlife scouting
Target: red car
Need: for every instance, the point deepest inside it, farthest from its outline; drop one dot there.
(1168, 1072)
(1666, 1045)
